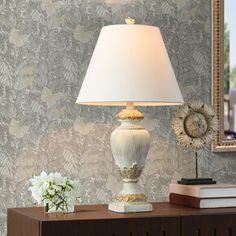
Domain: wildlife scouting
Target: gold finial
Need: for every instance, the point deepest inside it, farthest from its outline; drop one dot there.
(130, 21)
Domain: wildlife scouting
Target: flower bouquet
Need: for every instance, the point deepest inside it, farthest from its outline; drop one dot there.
(56, 193)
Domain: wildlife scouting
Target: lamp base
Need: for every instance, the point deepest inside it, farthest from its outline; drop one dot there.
(129, 144)
(121, 207)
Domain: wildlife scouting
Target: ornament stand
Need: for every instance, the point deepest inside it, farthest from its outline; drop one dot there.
(197, 180)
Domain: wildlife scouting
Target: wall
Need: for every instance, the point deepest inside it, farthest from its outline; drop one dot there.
(45, 47)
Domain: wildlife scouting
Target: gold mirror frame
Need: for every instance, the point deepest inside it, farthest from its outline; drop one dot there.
(220, 144)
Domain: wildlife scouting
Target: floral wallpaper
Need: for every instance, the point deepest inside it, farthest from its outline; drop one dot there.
(45, 48)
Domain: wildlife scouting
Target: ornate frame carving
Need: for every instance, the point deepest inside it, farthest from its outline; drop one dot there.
(220, 144)
(202, 128)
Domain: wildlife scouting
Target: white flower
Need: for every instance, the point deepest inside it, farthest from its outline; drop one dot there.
(56, 178)
(53, 189)
(57, 188)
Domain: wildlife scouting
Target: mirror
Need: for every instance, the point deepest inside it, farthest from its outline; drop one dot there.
(224, 73)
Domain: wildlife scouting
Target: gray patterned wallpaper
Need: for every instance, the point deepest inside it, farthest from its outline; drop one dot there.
(45, 47)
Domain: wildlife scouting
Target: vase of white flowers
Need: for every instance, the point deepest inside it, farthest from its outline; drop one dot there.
(56, 193)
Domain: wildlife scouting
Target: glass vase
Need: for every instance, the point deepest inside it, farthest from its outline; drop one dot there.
(51, 207)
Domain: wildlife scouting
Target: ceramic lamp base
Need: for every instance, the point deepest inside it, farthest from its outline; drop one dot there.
(129, 144)
(126, 207)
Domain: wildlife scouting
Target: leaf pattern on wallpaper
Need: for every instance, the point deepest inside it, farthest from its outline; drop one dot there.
(201, 62)
(82, 35)
(49, 97)
(6, 165)
(167, 8)
(17, 130)
(83, 127)
(17, 38)
(51, 7)
(45, 48)
(38, 16)
(71, 164)
(6, 74)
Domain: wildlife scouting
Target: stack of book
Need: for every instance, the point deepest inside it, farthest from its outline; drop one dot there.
(203, 196)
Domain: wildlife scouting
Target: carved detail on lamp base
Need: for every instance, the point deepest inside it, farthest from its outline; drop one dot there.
(130, 198)
(131, 173)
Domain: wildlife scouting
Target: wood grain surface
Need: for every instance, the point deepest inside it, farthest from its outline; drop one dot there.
(96, 220)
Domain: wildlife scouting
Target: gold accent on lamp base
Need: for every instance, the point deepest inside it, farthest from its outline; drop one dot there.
(131, 198)
(130, 113)
(132, 172)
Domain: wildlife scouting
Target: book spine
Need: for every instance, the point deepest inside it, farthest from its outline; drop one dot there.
(184, 200)
(184, 190)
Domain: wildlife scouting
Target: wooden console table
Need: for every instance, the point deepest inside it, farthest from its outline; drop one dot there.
(95, 220)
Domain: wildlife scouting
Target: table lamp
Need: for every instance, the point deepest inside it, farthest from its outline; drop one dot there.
(130, 67)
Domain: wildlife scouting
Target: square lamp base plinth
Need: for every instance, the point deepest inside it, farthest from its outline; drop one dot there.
(125, 207)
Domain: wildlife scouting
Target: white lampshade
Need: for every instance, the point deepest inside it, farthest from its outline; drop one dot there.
(130, 64)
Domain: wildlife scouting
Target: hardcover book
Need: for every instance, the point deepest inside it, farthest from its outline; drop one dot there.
(204, 191)
(201, 202)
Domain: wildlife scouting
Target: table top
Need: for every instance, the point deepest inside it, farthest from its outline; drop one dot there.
(101, 212)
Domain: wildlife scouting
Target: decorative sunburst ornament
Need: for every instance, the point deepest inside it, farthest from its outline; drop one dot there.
(195, 124)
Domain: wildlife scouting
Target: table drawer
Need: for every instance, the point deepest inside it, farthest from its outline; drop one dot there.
(169, 226)
(209, 225)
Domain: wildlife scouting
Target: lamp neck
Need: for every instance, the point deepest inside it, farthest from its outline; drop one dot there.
(130, 113)
(129, 106)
